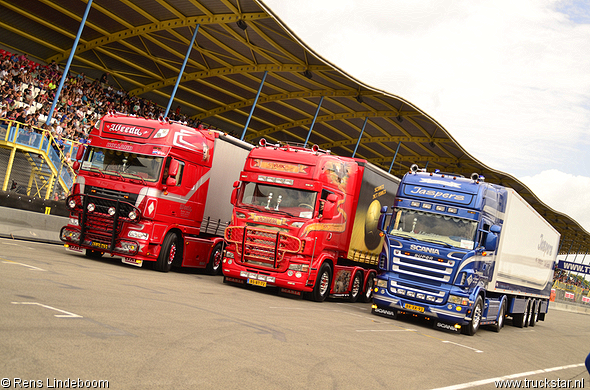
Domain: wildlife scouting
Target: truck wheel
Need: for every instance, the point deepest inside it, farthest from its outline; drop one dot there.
(323, 283)
(214, 264)
(368, 291)
(519, 319)
(167, 253)
(527, 314)
(356, 288)
(534, 317)
(476, 315)
(93, 254)
(500, 324)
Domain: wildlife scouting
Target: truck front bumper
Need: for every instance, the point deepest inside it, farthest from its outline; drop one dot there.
(290, 281)
(389, 305)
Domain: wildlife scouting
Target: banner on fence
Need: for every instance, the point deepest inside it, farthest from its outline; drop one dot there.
(574, 267)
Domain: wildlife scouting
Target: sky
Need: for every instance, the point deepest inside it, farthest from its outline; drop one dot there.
(508, 79)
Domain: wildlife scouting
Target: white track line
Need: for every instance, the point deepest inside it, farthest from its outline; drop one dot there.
(502, 378)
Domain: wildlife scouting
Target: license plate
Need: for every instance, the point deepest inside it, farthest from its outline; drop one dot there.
(414, 307)
(99, 245)
(130, 261)
(257, 282)
(73, 248)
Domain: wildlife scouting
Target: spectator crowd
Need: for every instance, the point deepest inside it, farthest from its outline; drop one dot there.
(571, 279)
(28, 89)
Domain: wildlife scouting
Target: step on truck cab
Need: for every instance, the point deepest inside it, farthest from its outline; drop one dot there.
(154, 192)
(305, 221)
(464, 253)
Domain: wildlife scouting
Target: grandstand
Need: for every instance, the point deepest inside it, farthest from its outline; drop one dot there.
(129, 58)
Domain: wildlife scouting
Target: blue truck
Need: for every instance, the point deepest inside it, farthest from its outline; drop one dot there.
(463, 253)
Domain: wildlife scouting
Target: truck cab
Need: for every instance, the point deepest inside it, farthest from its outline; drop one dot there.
(142, 193)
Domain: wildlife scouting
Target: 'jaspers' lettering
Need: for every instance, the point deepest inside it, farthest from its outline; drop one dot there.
(437, 194)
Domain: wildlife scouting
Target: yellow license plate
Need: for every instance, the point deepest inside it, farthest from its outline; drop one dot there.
(256, 282)
(100, 245)
(414, 307)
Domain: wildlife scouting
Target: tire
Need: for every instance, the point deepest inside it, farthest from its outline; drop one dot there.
(527, 314)
(500, 324)
(92, 254)
(214, 264)
(534, 317)
(168, 253)
(368, 291)
(323, 284)
(476, 316)
(356, 288)
(519, 319)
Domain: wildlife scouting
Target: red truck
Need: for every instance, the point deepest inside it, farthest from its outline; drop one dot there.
(153, 192)
(305, 221)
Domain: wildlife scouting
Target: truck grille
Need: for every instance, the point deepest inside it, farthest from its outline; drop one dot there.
(262, 247)
(421, 267)
(101, 219)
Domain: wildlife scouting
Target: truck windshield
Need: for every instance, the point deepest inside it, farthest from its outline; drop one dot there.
(123, 164)
(432, 227)
(292, 201)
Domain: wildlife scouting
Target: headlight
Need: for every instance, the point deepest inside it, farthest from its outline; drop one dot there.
(381, 283)
(72, 204)
(74, 221)
(458, 300)
(90, 207)
(299, 267)
(132, 215)
(229, 254)
(112, 211)
(138, 234)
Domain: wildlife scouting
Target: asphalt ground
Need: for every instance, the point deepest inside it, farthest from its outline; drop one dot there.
(67, 320)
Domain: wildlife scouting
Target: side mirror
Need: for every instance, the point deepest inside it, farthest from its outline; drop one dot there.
(330, 207)
(173, 169)
(491, 240)
(170, 181)
(382, 218)
(80, 152)
(234, 194)
(75, 166)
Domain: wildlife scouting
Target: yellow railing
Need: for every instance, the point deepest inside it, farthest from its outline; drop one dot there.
(19, 136)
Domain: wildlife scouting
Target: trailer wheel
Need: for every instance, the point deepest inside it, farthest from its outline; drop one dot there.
(534, 317)
(527, 313)
(357, 286)
(368, 291)
(323, 283)
(90, 253)
(500, 324)
(167, 253)
(476, 315)
(214, 264)
(519, 319)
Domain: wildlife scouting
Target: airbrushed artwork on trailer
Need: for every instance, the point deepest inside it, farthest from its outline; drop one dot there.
(376, 191)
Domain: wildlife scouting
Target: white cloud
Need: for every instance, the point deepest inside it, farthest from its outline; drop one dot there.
(508, 80)
(564, 192)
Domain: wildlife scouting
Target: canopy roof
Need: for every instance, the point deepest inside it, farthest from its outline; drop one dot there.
(143, 48)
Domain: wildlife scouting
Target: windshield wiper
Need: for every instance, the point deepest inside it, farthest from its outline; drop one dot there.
(250, 207)
(136, 177)
(445, 244)
(282, 212)
(395, 233)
